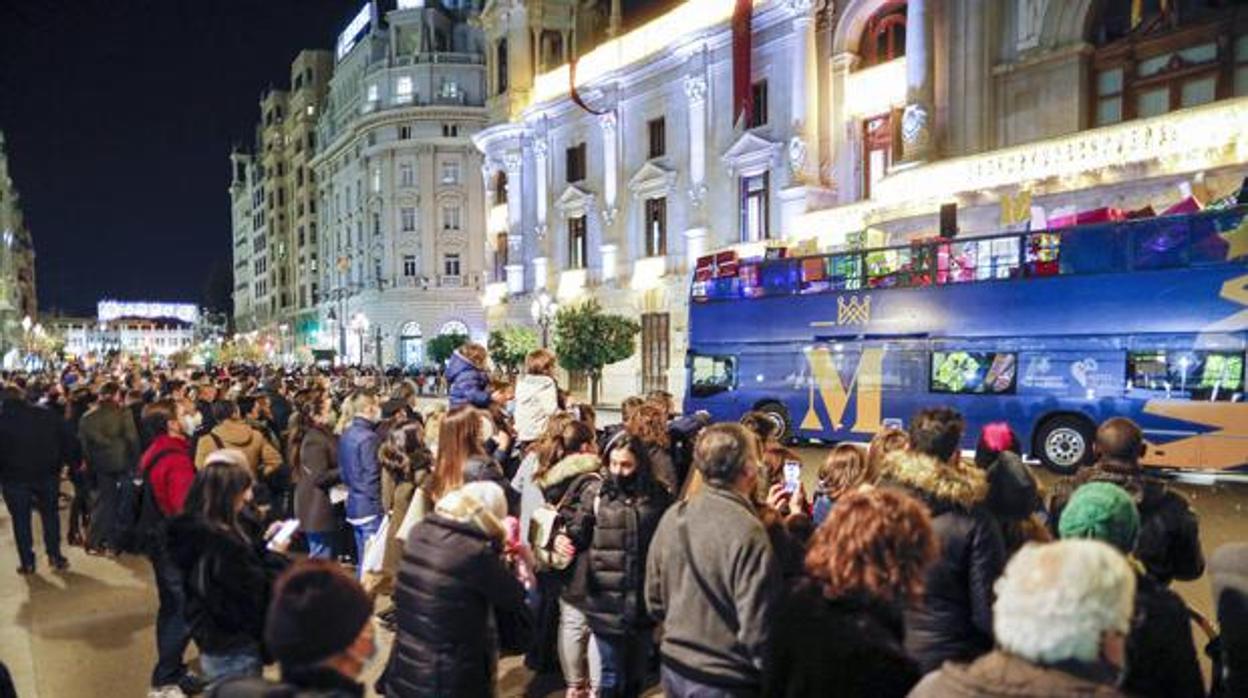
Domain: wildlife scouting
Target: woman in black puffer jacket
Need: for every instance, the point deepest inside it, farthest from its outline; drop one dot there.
(452, 577)
(615, 520)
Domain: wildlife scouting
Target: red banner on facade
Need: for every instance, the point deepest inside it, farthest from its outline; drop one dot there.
(742, 98)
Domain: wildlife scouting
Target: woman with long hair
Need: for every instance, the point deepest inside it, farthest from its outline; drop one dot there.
(567, 464)
(614, 521)
(462, 455)
(227, 572)
(845, 469)
(313, 453)
(842, 626)
(648, 424)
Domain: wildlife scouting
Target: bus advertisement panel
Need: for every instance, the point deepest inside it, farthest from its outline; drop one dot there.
(1052, 332)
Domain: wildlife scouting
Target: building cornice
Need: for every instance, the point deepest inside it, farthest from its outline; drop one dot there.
(395, 117)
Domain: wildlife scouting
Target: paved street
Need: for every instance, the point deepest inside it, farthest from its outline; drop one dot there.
(89, 632)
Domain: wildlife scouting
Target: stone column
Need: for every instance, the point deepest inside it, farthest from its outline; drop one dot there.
(610, 149)
(540, 175)
(801, 82)
(695, 90)
(844, 173)
(917, 128)
(515, 235)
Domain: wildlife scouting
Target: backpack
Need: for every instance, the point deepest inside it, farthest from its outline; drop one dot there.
(141, 528)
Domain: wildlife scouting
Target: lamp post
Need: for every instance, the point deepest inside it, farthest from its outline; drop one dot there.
(543, 312)
(359, 324)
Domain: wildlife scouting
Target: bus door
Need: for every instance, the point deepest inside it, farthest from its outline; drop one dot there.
(1193, 413)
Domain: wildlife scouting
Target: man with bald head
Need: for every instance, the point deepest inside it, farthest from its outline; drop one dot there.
(1168, 544)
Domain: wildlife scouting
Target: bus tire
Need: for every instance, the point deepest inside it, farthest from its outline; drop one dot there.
(778, 414)
(1063, 443)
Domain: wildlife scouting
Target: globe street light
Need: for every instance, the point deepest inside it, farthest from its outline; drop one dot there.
(543, 311)
(359, 324)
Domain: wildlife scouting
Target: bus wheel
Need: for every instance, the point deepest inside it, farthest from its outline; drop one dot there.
(780, 416)
(1064, 443)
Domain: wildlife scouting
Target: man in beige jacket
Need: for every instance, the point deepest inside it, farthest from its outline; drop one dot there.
(232, 432)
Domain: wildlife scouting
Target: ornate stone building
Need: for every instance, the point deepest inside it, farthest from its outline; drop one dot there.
(876, 113)
(402, 211)
(17, 262)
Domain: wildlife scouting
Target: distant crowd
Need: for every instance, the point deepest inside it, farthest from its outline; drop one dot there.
(298, 517)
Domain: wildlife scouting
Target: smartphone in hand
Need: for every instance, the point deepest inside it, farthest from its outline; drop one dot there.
(792, 475)
(281, 539)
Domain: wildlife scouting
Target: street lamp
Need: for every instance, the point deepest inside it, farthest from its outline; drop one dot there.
(359, 324)
(283, 329)
(543, 311)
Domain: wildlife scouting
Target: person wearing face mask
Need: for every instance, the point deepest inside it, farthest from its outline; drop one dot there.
(227, 570)
(712, 578)
(167, 465)
(613, 524)
(1060, 621)
(322, 655)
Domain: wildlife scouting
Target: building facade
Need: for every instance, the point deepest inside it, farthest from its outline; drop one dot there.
(140, 329)
(274, 207)
(17, 263)
(401, 201)
(869, 116)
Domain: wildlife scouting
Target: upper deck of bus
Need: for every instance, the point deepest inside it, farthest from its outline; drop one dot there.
(1172, 274)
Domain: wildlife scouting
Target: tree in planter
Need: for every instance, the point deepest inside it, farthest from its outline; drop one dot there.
(442, 346)
(510, 345)
(587, 339)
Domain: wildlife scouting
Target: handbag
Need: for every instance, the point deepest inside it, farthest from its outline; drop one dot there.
(375, 547)
(545, 525)
(417, 510)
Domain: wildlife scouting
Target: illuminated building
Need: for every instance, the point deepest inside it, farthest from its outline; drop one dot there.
(401, 204)
(878, 112)
(135, 328)
(618, 205)
(274, 206)
(17, 262)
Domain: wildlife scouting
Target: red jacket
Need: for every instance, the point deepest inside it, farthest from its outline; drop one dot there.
(172, 473)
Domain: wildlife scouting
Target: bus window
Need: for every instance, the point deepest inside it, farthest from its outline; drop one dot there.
(955, 262)
(1195, 375)
(974, 372)
(1093, 250)
(815, 277)
(885, 268)
(712, 375)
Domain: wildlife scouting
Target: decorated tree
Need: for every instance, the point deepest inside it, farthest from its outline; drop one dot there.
(509, 345)
(587, 339)
(442, 346)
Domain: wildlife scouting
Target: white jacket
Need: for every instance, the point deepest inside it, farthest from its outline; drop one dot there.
(537, 398)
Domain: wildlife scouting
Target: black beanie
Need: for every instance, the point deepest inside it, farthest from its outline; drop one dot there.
(317, 611)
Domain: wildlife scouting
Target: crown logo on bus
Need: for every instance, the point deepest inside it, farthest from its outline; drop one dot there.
(853, 310)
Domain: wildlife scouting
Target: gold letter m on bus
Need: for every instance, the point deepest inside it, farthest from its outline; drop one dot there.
(835, 395)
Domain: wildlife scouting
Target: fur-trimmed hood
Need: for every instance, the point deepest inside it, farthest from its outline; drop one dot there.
(962, 485)
(571, 467)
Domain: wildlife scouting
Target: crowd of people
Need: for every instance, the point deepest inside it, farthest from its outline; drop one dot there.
(287, 514)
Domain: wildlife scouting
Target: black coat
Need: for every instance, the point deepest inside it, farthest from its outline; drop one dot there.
(954, 622)
(227, 580)
(318, 471)
(1161, 656)
(35, 443)
(1168, 544)
(614, 528)
(451, 577)
(847, 647)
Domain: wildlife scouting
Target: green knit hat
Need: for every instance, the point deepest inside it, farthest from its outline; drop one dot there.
(1101, 511)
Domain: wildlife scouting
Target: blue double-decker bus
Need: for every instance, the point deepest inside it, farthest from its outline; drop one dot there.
(1050, 331)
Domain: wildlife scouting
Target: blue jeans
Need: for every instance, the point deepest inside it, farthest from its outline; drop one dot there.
(172, 633)
(363, 532)
(677, 686)
(320, 545)
(625, 661)
(217, 667)
(21, 498)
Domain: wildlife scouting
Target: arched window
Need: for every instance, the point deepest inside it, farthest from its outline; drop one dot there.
(454, 327)
(884, 37)
(1154, 57)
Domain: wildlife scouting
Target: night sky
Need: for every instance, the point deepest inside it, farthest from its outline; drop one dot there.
(119, 117)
